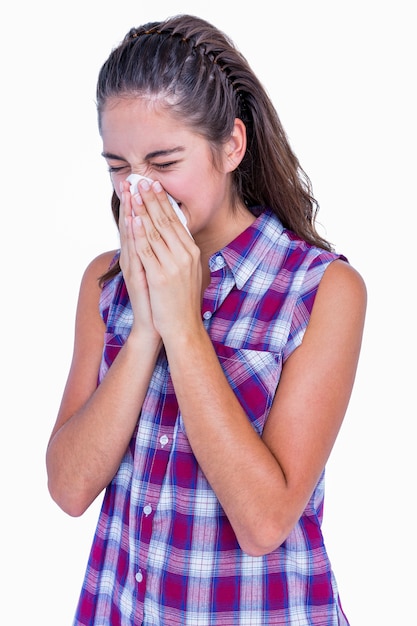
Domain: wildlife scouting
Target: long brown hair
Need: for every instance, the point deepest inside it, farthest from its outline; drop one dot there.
(207, 83)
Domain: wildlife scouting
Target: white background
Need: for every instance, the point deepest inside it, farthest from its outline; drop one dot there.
(342, 76)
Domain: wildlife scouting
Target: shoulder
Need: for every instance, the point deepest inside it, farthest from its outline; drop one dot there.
(90, 289)
(99, 265)
(341, 299)
(343, 281)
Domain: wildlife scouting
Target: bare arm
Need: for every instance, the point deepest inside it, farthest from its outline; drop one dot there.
(265, 483)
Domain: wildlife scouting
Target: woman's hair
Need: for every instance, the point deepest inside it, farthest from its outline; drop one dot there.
(199, 75)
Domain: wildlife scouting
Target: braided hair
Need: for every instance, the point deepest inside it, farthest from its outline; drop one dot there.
(197, 72)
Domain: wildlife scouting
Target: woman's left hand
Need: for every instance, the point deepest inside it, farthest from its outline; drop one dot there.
(171, 260)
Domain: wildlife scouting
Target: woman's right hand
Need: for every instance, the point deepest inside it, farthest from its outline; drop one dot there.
(132, 268)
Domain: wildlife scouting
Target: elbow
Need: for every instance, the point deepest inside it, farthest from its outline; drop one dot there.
(259, 548)
(265, 537)
(68, 492)
(69, 503)
(72, 499)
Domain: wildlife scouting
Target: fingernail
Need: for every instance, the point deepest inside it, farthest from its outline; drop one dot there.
(138, 198)
(145, 185)
(157, 186)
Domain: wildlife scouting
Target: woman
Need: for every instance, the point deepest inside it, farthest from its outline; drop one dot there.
(211, 373)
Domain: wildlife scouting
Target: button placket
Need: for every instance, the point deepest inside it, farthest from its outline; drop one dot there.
(148, 509)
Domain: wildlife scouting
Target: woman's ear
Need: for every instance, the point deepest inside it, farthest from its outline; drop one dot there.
(235, 147)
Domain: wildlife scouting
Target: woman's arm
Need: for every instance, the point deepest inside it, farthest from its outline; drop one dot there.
(265, 483)
(95, 424)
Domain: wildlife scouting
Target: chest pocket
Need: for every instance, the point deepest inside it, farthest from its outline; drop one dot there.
(253, 375)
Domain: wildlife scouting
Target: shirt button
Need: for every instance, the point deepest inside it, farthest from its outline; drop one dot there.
(219, 261)
(207, 315)
(139, 576)
(163, 440)
(147, 509)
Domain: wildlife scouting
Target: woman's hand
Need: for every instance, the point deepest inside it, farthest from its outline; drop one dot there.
(131, 265)
(170, 260)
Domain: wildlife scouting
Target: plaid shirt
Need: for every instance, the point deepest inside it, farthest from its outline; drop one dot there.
(164, 552)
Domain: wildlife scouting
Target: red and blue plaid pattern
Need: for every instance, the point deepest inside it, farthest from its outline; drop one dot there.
(164, 552)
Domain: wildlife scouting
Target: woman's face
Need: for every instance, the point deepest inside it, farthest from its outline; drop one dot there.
(140, 136)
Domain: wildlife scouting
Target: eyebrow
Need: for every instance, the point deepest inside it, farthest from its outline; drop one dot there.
(150, 155)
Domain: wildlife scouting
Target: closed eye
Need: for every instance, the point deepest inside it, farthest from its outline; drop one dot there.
(163, 166)
(113, 169)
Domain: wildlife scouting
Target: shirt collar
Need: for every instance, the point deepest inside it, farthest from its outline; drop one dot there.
(245, 253)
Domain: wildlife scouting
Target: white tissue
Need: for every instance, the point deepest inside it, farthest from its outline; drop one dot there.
(133, 179)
